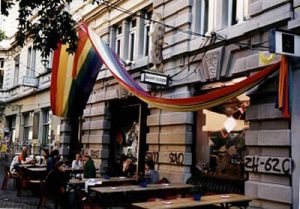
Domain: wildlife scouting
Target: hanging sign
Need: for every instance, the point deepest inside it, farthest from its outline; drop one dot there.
(284, 42)
(154, 78)
(30, 81)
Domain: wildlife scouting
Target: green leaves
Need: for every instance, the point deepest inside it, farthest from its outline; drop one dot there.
(51, 26)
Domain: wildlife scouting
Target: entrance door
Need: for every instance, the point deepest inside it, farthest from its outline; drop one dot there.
(128, 132)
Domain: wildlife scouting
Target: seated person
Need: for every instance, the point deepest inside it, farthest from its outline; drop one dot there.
(14, 164)
(43, 159)
(127, 168)
(89, 170)
(77, 164)
(23, 157)
(53, 159)
(151, 175)
(56, 183)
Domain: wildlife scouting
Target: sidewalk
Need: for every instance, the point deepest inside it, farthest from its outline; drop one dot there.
(9, 198)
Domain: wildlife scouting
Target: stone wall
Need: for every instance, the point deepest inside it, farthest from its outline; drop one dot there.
(268, 137)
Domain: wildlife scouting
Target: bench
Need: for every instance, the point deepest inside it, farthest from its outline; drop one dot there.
(213, 184)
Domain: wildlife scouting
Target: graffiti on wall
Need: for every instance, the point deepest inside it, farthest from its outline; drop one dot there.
(176, 158)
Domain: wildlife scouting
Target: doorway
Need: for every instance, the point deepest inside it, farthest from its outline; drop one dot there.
(128, 132)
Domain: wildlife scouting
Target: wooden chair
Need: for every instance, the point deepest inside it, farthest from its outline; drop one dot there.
(9, 175)
(45, 196)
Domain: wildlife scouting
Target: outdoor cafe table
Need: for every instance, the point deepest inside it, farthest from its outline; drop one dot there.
(128, 194)
(225, 200)
(112, 181)
(30, 173)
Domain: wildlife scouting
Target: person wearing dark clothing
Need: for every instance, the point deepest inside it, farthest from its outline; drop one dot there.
(56, 183)
(151, 175)
(89, 170)
(52, 160)
(126, 168)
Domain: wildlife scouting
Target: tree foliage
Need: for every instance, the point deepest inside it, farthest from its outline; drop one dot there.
(53, 24)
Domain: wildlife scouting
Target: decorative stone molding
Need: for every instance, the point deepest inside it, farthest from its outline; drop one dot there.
(213, 61)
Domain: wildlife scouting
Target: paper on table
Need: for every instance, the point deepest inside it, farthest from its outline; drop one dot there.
(91, 182)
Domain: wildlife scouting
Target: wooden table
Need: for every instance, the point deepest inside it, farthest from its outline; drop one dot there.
(37, 169)
(224, 200)
(137, 188)
(113, 181)
(125, 195)
(30, 174)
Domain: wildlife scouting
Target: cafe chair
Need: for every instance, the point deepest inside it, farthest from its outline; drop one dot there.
(46, 196)
(9, 175)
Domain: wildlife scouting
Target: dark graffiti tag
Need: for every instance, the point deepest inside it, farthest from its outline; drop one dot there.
(278, 165)
(95, 153)
(176, 158)
(154, 155)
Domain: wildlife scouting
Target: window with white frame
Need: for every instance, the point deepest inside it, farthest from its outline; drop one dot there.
(28, 125)
(132, 36)
(31, 59)
(118, 40)
(238, 11)
(203, 16)
(47, 115)
(147, 37)
(17, 68)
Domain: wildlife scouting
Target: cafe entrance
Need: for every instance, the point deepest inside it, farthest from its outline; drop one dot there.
(220, 142)
(128, 132)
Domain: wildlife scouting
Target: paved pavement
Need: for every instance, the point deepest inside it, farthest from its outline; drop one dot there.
(9, 198)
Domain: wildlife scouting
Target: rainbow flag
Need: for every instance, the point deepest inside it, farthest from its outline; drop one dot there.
(73, 77)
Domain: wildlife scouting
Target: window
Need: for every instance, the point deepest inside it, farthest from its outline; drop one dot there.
(12, 127)
(220, 144)
(147, 41)
(118, 40)
(237, 11)
(1, 78)
(132, 32)
(46, 139)
(31, 58)
(1, 63)
(17, 67)
(203, 14)
(28, 124)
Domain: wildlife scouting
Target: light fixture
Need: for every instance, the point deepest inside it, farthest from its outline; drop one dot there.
(45, 63)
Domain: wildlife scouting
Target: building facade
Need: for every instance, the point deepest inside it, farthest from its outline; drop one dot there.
(201, 45)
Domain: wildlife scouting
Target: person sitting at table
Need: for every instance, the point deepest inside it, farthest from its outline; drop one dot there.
(151, 175)
(22, 158)
(14, 164)
(53, 159)
(77, 164)
(56, 183)
(127, 168)
(89, 170)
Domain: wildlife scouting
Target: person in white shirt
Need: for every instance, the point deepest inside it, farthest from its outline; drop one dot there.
(77, 163)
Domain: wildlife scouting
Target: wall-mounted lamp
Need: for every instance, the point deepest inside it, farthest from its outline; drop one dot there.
(46, 63)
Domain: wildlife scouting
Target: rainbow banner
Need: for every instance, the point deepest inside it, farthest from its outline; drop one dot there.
(107, 56)
(73, 77)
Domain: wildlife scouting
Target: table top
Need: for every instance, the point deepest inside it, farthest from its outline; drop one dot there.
(37, 169)
(102, 180)
(190, 202)
(26, 165)
(136, 188)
